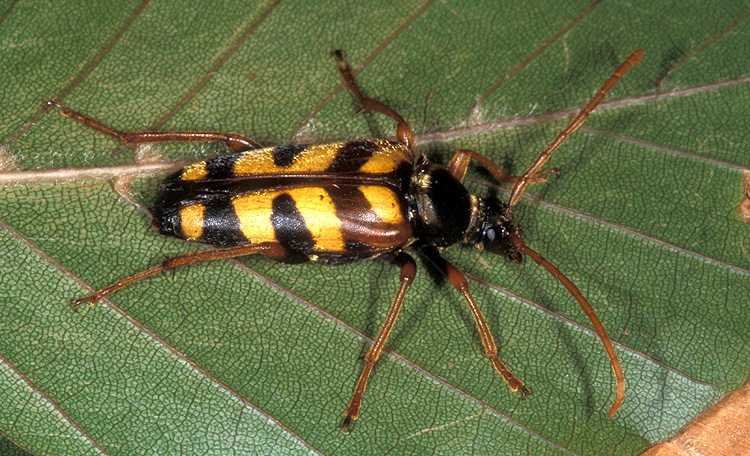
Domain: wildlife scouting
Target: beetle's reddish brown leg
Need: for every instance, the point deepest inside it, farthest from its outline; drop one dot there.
(408, 271)
(457, 279)
(403, 131)
(460, 163)
(269, 249)
(237, 143)
(578, 120)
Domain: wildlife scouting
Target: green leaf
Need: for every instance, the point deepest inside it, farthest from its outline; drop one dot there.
(258, 357)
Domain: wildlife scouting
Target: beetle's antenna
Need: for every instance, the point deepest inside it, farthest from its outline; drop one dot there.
(521, 246)
(578, 120)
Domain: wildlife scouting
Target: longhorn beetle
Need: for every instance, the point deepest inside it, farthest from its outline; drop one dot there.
(346, 202)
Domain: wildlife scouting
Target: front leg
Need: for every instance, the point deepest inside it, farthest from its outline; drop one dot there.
(460, 163)
(457, 279)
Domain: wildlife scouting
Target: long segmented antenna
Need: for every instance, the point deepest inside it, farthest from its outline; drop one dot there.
(521, 246)
(633, 59)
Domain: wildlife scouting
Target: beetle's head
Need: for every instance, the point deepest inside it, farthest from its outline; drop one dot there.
(496, 223)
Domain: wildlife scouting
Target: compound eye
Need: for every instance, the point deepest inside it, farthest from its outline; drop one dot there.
(494, 238)
(490, 235)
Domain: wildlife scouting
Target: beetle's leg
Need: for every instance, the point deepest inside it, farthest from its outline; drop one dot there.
(408, 271)
(460, 163)
(457, 279)
(269, 249)
(403, 131)
(578, 120)
(235, 142)
(521, 246)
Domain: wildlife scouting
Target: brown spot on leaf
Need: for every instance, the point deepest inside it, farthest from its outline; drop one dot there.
(722, 430)
(744, 210)
(7, 162)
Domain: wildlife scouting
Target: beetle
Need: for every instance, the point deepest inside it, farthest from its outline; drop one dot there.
(347, 202)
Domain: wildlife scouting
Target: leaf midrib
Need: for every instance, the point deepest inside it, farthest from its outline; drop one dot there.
(157, 167)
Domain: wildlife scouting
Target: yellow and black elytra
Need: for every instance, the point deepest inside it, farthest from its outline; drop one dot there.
(333, 203)
(346, 202)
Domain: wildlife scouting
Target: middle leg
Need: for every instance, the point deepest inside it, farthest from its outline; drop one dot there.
(408, 272)
(403, 131)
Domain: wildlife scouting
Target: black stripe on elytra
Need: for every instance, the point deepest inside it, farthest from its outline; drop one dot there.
(350, 205)
(221, 226)
(353, 155)
(284, 156)
(221, 167)
(290, 228)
